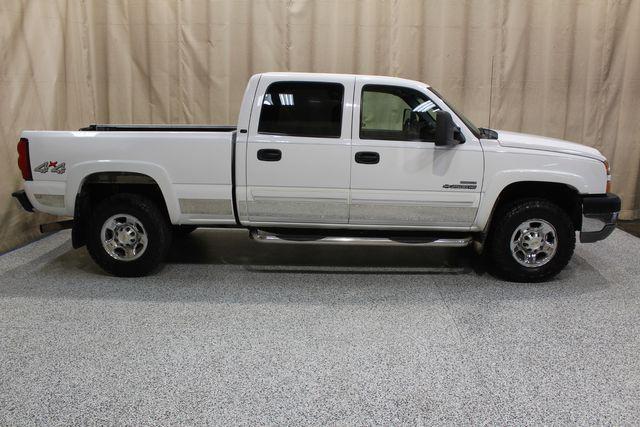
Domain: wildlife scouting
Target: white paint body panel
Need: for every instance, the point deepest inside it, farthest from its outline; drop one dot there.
(310, 184)
(317, 183)
(184, 164)
(533, 142)
(507, 165)
(407, 187)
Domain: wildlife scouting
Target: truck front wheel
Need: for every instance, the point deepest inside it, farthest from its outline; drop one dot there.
(128, 235)
(531, 240)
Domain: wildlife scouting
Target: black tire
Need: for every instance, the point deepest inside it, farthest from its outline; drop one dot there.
(156, 228)
(503, 262)
(180, 231)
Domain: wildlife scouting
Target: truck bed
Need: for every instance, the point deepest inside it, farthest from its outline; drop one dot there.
(191, 166)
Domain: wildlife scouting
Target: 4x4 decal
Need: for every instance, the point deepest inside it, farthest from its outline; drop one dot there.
(51, 166)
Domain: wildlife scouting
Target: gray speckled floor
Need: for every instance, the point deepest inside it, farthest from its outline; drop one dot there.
(231, 331)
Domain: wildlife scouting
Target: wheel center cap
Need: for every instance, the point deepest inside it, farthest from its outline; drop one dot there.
(127, 235)
(532, 241)
(535, 243)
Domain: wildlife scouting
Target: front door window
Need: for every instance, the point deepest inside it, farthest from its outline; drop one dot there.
(397, 114)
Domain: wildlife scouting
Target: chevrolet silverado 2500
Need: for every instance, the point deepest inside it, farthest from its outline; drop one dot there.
(324, 159)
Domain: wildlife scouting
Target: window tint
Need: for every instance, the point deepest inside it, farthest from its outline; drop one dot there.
(397, 113)
(302, 109)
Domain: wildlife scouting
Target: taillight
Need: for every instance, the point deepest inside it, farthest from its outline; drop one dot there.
(23, 159)
(608, 172)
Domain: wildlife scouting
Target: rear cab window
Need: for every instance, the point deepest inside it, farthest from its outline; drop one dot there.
(307, 109)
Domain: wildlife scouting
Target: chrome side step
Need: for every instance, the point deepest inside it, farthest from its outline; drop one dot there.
(266, 237)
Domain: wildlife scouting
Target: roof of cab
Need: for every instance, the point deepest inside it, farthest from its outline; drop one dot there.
(285, 74)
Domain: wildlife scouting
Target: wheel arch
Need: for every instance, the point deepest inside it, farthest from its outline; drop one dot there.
(89, 188)
(84, 173)
(565, 196)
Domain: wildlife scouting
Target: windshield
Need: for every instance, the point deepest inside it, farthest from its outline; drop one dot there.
(466, 121)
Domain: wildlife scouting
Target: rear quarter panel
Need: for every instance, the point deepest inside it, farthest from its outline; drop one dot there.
(192, 169)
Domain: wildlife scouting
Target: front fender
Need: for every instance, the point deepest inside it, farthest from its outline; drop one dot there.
(501, 180)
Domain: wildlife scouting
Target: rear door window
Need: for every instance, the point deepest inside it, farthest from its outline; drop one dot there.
(311, 109)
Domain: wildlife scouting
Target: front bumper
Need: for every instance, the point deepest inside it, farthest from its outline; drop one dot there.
(599, 216)
(22, 198)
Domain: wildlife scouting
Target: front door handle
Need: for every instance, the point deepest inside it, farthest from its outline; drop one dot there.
(269, 155)
(367, 157)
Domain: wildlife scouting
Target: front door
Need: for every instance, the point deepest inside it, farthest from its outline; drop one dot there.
(298, 151)
(398, 176)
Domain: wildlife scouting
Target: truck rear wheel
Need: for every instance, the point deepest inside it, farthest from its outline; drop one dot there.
(128, 235)
(531, 240)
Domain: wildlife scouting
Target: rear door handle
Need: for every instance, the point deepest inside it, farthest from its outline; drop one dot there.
(269, 155)
(367, 157)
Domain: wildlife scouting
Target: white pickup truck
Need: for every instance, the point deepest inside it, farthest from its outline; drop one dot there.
(324, 159)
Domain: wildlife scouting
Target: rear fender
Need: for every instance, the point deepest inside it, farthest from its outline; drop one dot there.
(77, 175)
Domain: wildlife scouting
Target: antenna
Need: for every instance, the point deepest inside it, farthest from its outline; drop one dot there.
(491, 91)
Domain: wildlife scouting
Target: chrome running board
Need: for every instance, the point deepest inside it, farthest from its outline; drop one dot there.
(267, 237)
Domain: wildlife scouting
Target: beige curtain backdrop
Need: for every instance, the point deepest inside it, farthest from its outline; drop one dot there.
(562, 68)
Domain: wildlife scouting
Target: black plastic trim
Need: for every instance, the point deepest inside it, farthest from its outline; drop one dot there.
(594, 236)
(158, 128)
(269, 155)
(600, 204)
(21, 196)
(367, 157)
(81, 212)
(234, 201)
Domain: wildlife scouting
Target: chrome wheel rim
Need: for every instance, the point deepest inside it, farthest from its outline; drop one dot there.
(534, 243)
(124, 237)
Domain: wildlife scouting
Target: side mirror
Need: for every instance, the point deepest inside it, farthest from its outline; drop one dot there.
(445, 129)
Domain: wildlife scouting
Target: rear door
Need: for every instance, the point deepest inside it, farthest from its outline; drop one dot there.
(298, 150)
(398, 176)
